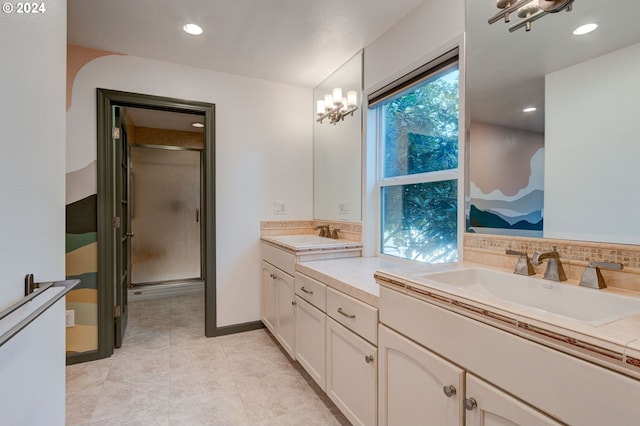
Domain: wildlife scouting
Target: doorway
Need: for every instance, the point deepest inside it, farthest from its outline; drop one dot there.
(118, 211)
(165, 205)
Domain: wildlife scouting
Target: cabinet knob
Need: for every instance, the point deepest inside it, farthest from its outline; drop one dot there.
(294, 303)
(273, 276)
(368, 359)
(449, 390)
(470, 403)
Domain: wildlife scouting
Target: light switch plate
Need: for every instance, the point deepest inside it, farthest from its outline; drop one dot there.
(343, 207)
(70, 318)
(279, 207)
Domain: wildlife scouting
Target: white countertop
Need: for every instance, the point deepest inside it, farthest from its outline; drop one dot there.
(353, 276)
(305, 243)
(615, 344)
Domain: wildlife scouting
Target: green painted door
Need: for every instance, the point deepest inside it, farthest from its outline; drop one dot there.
(121, 228)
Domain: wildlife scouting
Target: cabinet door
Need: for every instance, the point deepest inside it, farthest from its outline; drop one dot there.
(310, 341)
(412, 383)
(269, 297)
(285, 321)
(351, 374)
(489, 406)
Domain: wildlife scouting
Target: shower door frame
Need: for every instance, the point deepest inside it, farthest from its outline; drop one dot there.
(200, 209)
(106, 210)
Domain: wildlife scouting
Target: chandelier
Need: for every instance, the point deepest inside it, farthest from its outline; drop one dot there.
(335, 107)
(528, 10)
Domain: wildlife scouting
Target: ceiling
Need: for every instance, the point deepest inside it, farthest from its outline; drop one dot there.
(505, 71)
(297, 42)
(159, 119)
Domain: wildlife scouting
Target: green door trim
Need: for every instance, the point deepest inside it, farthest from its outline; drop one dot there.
(106, 210)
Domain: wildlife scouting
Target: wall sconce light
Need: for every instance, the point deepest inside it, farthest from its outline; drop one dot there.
(335, 107)
(528, 10)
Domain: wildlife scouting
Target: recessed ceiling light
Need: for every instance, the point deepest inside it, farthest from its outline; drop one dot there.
(529, 109)
(192, 29)
(585, 29)
(198, 125)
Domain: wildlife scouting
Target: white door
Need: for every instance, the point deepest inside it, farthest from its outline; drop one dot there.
(269, 297)
(311, 341)
(351, 374)
(416, 387)
(489, 406)
(285, 326)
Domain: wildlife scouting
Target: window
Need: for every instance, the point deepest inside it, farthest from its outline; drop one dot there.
(417, 137)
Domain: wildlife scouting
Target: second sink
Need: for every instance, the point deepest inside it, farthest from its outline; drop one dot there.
(579, 304)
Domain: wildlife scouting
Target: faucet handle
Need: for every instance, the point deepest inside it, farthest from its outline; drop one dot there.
(524, 266)
(335, 233)
(592, 277)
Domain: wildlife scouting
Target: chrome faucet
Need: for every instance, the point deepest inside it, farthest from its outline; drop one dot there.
(554, 270)
(523, 267)
(324, 230)
(592, 277)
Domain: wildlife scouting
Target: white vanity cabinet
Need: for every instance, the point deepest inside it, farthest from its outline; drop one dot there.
(351, 374)
(511, 379)
(489, 406)
(310, 350)
(417, 387)
(352, 357)
(311, 320)
(420, 387)
(269, 297)
(277, 299)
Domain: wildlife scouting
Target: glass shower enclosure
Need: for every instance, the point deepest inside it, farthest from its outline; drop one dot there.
(165, 214)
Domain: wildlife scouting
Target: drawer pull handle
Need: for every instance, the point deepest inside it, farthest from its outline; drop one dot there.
(341, 312)
(449, 390)
(470, 403)
(307, 291)
(368, 359)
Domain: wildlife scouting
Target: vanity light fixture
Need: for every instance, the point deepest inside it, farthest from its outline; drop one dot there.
(529, 109)
(335, 107)
(585, 29)
(528, 10)
(192, 29)
(197, 125)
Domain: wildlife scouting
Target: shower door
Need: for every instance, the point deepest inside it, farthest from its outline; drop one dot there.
(165, 215)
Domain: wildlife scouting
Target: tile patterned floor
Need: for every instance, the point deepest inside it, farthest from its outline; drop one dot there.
(168, 373)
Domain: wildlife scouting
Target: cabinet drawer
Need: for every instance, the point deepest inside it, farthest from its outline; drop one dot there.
(279, 258)
(312, 291)
(353, 314)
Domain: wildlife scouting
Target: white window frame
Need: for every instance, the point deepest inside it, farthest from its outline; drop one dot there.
(374, 181)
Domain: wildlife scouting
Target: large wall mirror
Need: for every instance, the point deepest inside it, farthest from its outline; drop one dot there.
(337, 149)
(568, 169)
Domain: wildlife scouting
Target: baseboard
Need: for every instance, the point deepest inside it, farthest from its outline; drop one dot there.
(158, 291)
(239, 328)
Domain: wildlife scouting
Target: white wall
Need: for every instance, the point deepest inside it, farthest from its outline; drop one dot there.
(426, 32)
(263, 154)
(32, 210)
(592, 150)
(32, 129)
(414, 37)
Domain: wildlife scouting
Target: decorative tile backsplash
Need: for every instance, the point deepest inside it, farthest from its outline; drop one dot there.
(574, 255)
(348, 230)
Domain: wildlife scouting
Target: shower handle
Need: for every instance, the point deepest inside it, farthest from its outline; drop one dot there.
(130, 234)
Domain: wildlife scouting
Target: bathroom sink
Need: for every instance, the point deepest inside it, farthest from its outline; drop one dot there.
(303, 239)
(589, 306)
(307, 242)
